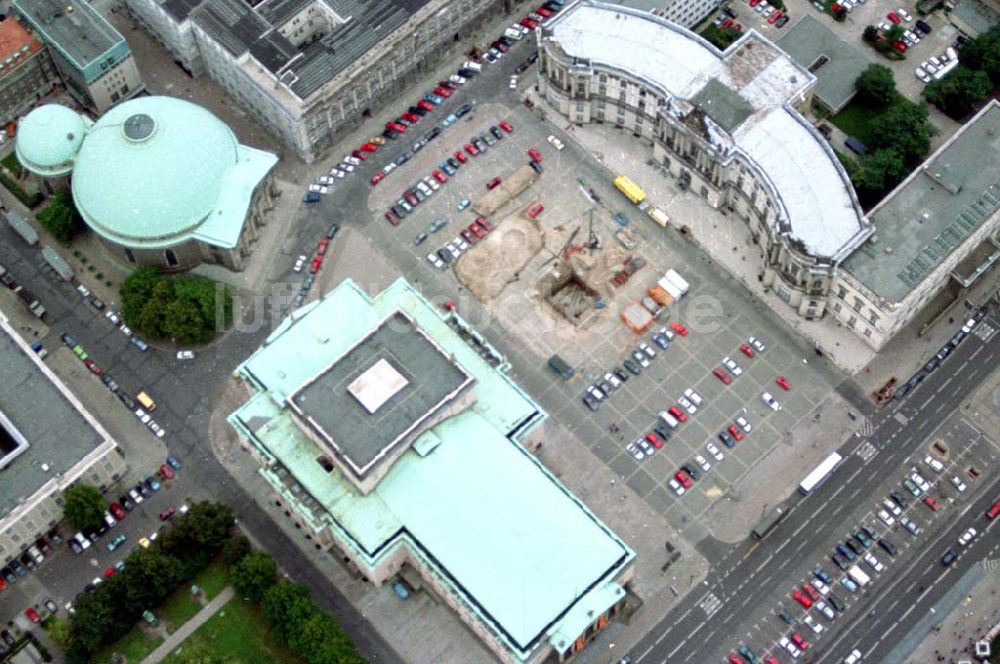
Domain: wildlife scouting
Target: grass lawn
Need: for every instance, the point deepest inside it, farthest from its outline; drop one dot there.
(855, 120)
(135, 646)
(238, 631)
(180, 607)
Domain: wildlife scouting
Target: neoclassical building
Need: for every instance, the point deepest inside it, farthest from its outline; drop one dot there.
(727, 125)
(160, 180)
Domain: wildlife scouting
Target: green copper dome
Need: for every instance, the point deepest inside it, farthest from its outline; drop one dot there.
(49, 138)
(152, 170)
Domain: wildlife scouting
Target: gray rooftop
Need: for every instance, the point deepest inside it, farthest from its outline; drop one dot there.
(723, 104)
(241, 28)
(56, 432)
(433, 380)
(809, 42)
(976, 14)
(933, 210)
(75, 28)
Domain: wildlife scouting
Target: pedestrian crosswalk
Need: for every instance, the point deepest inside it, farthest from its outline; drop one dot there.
(866, 451)
(985, 331)
(710, 604)
(867, 427)
(991, 565)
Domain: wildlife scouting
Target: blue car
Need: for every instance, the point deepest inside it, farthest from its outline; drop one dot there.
(450, 120)
(464, 203)
(174, 463)
(434, 99)
(311, 197)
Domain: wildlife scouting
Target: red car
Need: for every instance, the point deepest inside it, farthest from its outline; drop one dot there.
(442, 92)
(722, 375)
(378, 177)
(733, 657)
(535, 155)
(679, 329)
(894, 18)
(993, 511)
(802, 599)
(321, 247)
(477, 230)
(468, 236)
(774, 17)
(412, 118)
(746, 350)
(167, 513)
(809, 590)
(395, 126)
(542, 11)
(117, 510)
(535, 211)
(505, 126)
(770, 659)
(528, 23)
(899, 46)
(317, 262)
(426, 105)
(32, 615)
(410, 198)
(461, 156)
(679, 414)
(725, 24)
(494, 183)
(94, 369)
(167, 472)
(369, 147)
(799, 641)
(654, 440)
(359, 154)
(754, 3)
(392, 218)
(470, 148)
(682, 477)
(439, 176)
(109, 572)
(783, 383)
(735, 432)
(486, 226)
(931, 503)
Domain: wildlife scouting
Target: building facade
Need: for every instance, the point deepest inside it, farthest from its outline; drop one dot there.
(687, 13)
(727, 126)
(309, 70)
(161, 181)
(48, 441)
(393, 436)
(27, 72)
(93, 59)
(936, 235)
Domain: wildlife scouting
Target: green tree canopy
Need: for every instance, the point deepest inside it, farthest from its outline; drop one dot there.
(84, 507)
(870, 34)
(983, 54)
(205, 526)
(905, 128)
(253, 575)
(878, 173)
(61, 218)
(958, 93)
(235, 549)
(179, 307)
(876, 86)
(286, 607)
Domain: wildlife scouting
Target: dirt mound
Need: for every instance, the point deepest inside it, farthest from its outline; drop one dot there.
(496, 260)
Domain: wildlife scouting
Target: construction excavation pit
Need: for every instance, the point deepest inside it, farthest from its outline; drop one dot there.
(497, 260)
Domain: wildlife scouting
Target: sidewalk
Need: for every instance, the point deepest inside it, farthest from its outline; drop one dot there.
(190, 626)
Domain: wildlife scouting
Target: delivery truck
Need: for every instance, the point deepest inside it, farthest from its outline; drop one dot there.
(859, 576)
(677, 280)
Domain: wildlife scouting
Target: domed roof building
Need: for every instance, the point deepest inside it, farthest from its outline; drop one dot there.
(161, 181)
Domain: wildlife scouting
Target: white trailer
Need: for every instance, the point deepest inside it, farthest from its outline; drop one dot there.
(859, 576)
(671, 288)
(677, 280)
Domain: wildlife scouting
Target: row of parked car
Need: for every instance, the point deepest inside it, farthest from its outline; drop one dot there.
(932, 364)
(314, 265)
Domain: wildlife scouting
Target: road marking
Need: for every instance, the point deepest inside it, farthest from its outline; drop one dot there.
(944, 384)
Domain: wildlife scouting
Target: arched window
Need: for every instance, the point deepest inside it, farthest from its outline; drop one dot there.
(171, 257)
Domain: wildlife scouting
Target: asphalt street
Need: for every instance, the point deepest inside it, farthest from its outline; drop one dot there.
(755, 580)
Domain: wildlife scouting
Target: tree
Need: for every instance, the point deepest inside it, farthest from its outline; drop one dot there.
(235, 549)
(253, 575)
(84, 507)
(894, 33)
(958, 93)
(983, 54)
(205, 526)
(61, 218)
(905, 128)
(876, 86)
(183, 308)
(136, 291)
(286, 607)
(151, 576)
(870, 35)
(880, 172)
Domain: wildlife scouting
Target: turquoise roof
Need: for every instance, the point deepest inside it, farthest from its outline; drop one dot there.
(48, 139)
(513, 545)
(157, 171)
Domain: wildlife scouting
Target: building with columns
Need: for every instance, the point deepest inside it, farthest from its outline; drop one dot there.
(726, 125)
(160, 180)
(393, 436)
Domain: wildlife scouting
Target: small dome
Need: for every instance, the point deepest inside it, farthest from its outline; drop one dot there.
(49, 138)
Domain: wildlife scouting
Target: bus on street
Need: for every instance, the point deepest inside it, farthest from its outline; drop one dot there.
(819, 473)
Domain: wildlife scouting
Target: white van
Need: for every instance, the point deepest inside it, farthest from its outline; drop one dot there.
(669, 419)
(513, 34)
(474, 66)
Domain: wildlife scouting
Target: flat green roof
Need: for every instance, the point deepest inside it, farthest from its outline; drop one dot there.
(512, 543)
(933, 211)
(835, 63)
